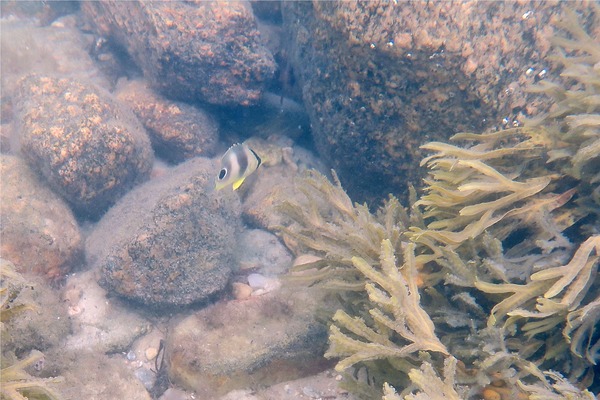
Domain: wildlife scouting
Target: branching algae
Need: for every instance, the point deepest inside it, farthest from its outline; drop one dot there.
(503, 245)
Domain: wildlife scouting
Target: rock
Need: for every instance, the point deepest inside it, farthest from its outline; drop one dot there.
(99, 324)
(89, 148)
(190, 51)
(379, 79)
(325, 385)
(39, 232)
(247, 344)
(176, 394)
(241, 291)
(89, 375)
(170, 241)
(178, 131)
(147, 347)
(262, 251)
(273, 182)
(45, 12)
(42, 324)
(59, 50)
(151, 353)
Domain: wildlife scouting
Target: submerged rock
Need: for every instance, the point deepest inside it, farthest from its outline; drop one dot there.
(39, 232)
(170, 241)
(207, 51)
(33, 317)
(56, 50)
(379, 78)
(90, 148)
(178, 131)
(89, 375)
(247, 344)
(259, 250)
(99, 324)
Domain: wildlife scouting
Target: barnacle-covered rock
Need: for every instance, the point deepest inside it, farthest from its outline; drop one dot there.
(89, 147)
(169, 242)
(207, 51)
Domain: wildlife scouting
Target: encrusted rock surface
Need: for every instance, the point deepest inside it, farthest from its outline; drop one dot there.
(247, 344)
(39, 232)
(169, 242)
(88, 146)
(380, 78)
(178, 131)
(190, 50)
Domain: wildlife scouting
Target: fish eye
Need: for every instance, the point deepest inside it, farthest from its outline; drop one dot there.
(222, 173)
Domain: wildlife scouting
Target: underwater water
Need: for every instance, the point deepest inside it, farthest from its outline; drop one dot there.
(299, 200)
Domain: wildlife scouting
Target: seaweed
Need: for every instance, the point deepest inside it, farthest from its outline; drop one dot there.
(15, 382)
(11, 284)
(401, 327)
(329, 225)
(561, 389)
(503, 244)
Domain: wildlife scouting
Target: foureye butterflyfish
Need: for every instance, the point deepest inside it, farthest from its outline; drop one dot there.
(236, 165)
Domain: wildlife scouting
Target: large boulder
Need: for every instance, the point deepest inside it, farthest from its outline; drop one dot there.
(380, 78)
(89, 147)
(190, 50)
(170, 241)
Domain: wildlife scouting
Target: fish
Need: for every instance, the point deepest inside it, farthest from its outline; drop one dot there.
(236, 165)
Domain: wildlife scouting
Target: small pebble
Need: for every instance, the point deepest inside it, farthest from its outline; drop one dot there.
(131, 355)
(145, 376)
(151, 353)
(241, 291)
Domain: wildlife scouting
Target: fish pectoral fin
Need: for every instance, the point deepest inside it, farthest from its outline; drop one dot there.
(238, 183)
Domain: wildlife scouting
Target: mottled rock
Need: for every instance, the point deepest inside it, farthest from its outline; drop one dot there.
(89, 147)
(262, 251)
(39, 232)
(99, 324)
(169, 242)
(190, 50)
(178, 131)
(247, 344)
(380, 78)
